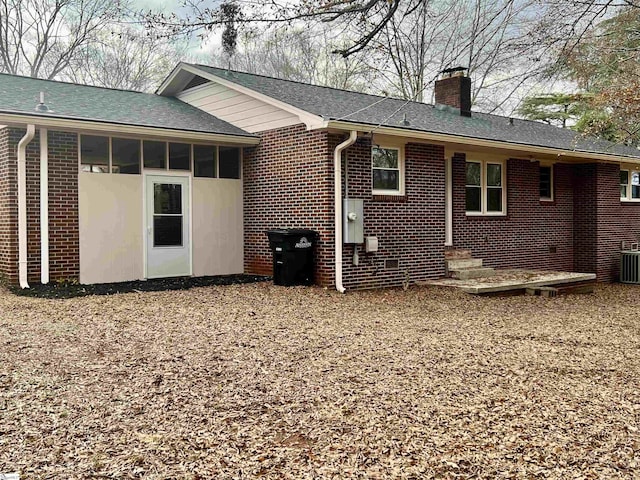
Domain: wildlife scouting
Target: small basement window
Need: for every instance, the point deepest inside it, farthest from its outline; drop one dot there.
(229, 162)
(546, 183)
(630, 185)
(94, 154)
(125, 155)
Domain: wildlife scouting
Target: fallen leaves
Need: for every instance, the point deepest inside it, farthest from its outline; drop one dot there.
(255, 380)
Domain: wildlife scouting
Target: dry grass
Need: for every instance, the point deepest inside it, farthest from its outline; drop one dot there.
(260, 381)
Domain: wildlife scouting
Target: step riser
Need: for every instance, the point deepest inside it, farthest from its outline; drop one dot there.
(457, 254)
(463, 263)
(472, 273)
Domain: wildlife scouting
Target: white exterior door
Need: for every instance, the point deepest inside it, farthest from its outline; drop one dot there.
(167, 226)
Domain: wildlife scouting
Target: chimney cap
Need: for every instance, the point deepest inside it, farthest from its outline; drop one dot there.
(453, 72)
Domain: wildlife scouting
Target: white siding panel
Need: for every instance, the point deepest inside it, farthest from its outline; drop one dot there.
(218, 244)
(110, 217)
(238, 108)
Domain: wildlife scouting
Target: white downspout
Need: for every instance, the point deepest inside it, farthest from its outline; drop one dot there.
(337, 186)
(22, 205)
(44, 207)
(448, 202)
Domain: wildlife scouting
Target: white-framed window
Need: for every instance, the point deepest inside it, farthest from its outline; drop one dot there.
(546, 183)
(387, 170)
(485, 187)
(629, 185)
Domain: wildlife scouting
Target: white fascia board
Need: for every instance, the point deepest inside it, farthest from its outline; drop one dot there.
(111, 128)
(444, 139)
(311, 120)
(166, 83)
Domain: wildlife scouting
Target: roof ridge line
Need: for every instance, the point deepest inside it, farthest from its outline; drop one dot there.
(64, 82)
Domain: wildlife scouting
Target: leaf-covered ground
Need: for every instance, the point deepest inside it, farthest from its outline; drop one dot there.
(248, 381)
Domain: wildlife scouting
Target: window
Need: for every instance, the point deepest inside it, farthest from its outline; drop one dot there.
(387, 170)
(154, 154)
(484, 187)
(125, 155)
(204, 161)
(546, 182)
(94, 154)
(229, 162)
(630, 185)
(179, 156)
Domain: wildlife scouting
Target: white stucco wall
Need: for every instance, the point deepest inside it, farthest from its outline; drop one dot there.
(111, 224)
(111, 220)
(218, 246)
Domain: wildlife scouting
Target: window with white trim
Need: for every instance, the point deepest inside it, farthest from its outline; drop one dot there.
(630, 185)
(546, 183)
(387, 170)
(485, 192)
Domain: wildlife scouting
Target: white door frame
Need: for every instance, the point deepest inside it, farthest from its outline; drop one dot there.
(166, 173)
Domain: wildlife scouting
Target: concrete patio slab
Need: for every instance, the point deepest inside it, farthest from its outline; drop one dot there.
(512, 279)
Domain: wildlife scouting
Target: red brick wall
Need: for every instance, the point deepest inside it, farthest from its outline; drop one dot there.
(288, 184)
(63, 205)
(8, 211)
(612, 221)
(410, 229)
(525, 237)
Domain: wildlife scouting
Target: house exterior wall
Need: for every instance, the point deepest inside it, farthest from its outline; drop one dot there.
(528, 234)
(288, 183)
(111, 222)
(238, 108)
(410, 228)
(63, 205)
(604, 220)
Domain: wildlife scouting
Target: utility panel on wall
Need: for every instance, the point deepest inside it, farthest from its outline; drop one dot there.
(353, 220)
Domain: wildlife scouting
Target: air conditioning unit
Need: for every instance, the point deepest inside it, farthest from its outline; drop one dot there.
(630, 267)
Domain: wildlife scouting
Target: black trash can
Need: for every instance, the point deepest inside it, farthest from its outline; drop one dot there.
(293, 259)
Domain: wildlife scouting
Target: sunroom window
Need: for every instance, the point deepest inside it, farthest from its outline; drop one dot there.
(94, 153)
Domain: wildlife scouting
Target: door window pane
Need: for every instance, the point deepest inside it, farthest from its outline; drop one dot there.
(155, 154)
(473, 199)
(167, 231)
(125, 155)
(94, 153)
(204, 161)
(167, 198)
(229, 162)
(180, 156)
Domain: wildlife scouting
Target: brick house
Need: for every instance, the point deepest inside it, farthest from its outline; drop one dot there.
(186, 181)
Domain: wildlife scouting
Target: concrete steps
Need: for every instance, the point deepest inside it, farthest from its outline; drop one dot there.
(470, 273)
(460, 265)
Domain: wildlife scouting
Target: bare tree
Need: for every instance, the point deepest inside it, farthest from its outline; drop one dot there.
(126, 58)
(297, 54)
(40, 38)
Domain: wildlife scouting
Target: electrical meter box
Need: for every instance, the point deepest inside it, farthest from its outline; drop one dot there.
(353, 220)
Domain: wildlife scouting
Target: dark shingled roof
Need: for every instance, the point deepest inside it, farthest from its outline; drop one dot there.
(343, 105)
(20, 95)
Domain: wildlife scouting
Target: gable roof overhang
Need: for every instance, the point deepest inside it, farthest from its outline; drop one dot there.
(454, 143)
(183, 73)
(19, 119)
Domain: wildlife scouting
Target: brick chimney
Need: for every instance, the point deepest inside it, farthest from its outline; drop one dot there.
(454, 89)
